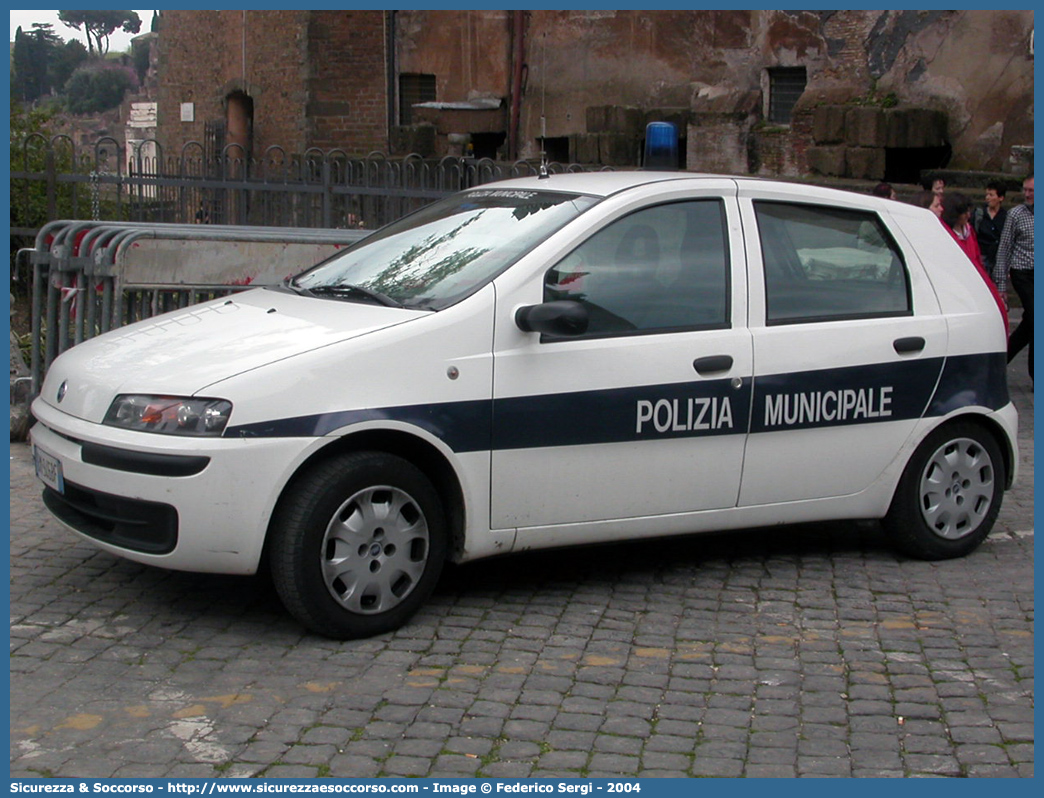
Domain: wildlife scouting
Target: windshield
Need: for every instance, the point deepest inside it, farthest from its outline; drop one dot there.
(444, 252)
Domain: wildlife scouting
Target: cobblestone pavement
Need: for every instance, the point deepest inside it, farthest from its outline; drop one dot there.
(809, 651)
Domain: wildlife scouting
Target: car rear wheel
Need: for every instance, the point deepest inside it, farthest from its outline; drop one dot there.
(358, 544)
(949, 495)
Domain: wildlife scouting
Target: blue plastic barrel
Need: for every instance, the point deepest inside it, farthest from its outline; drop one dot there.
(661, 146)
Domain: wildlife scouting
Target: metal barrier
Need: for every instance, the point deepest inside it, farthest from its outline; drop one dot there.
(91, 277)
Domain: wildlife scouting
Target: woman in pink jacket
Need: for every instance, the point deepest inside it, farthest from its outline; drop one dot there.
(956, 212)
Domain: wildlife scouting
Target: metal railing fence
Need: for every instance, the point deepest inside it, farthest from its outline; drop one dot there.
(54, 178)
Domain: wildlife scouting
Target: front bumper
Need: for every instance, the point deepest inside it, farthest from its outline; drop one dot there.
(190, 504)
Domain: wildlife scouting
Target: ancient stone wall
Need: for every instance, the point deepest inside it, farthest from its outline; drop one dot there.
(322, 79)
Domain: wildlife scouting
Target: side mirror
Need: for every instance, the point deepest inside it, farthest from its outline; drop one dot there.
(564, 317)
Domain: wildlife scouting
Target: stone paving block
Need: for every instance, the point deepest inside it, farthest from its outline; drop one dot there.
(507, 770)
(667, 743)
(290, 772)
(563, 760)
(831, 767)
(612, 764)
(481, 727)
(936, 765)
(980, 754)
(406, 766)
(354, 766)
(455, 766)
(708, 767)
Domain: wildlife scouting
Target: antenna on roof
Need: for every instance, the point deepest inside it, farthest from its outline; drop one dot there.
(543, 174)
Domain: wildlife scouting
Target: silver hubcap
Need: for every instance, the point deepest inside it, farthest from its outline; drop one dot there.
(375, 550)
(957, 488)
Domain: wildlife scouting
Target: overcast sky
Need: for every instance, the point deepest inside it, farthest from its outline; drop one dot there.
(117, 42)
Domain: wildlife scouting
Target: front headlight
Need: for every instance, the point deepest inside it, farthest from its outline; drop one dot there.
(169, 415)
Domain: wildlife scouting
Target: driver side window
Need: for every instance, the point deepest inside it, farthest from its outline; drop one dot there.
(659, 269)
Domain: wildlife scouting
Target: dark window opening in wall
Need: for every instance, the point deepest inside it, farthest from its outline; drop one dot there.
(413, 89)
(786, 85)
(556, 149)
(905, 164)
(485, 145)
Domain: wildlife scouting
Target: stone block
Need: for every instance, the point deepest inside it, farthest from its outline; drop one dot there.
(594, 118)
(717, 144)
(829, 161)
(915, 127)
(583, 148)
(865, 126)
(828, 124)
(773, 152)
(865, 163)
(617, 149)
(614, 119)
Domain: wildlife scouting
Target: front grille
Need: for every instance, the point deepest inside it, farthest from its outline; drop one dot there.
(147, 527)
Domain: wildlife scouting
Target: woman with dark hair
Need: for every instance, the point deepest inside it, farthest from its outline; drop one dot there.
(929, 200)
(956, 213)
(884, 190)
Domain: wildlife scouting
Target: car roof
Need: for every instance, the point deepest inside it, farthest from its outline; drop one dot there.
(607, 183)
(600, 184)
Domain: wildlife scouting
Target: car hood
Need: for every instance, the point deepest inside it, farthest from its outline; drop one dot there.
(183, 352)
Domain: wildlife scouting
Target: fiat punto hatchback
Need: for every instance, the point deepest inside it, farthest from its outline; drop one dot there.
(539, 363)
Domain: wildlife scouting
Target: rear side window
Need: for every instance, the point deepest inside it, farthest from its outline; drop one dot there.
(829, 264)
(660, 269)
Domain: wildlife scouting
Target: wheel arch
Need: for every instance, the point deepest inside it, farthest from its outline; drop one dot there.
(411, 448)
(994, 429)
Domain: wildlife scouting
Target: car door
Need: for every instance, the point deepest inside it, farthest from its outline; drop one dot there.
(848, 347)
(646, 413)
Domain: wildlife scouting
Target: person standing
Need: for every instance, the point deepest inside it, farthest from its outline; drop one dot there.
(988, 222)
(956, 212)
(884, 190)
(955, 216)
(1015, 262)
(934, 184)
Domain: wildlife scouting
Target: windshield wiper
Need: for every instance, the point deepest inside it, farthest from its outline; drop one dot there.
(344, 291)
(288, 285)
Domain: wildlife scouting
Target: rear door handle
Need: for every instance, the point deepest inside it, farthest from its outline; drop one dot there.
(712, 364)
(904, 346)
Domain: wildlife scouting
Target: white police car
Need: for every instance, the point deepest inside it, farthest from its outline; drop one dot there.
(538, 363)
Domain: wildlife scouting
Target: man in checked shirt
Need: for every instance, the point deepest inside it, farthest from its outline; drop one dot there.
(1015, 260)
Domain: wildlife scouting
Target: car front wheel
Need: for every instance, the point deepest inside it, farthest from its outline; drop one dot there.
(949, 495)
(358, 544)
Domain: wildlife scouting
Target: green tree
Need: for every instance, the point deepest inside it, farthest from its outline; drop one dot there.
(41, 63)
(98, 26)
(64, 61)
(30, 56)
(96, 88)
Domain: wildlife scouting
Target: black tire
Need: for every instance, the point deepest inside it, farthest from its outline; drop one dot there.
(950, 494)
(357, 544)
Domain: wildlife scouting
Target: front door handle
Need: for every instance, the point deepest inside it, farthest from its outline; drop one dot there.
(712, 364)
(904, 346)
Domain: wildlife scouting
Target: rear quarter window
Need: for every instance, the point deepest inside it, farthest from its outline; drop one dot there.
(823, 263)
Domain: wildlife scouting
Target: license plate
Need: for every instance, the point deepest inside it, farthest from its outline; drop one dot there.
(49, 469)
